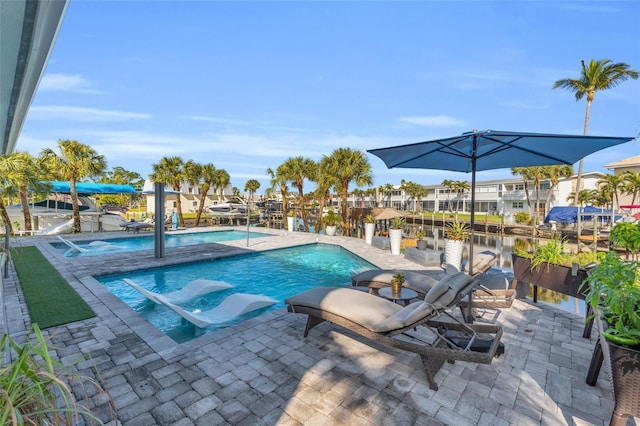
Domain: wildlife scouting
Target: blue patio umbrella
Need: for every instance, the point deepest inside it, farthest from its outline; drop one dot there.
(493, 149)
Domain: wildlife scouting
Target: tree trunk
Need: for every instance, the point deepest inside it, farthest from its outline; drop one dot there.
(22, 191)
(5, 216)
(203, 198)
(77, 225)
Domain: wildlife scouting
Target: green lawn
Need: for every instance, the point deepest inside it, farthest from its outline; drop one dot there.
(50, 299)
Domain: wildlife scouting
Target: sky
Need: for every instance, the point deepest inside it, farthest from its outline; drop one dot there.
(245, 85)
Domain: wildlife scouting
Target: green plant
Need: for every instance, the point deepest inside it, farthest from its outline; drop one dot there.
(37, 389)
(420, 234)
(331, 218)
(291, 213)
(550, 253)
(370, 219)
(613, 288)
(522, 217)
(397, 222)
(457, 231)
(553, 253)
(398, 278)
(627, 236)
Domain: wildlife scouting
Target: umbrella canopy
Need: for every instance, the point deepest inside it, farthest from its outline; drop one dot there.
(493, 149)
(388, 213)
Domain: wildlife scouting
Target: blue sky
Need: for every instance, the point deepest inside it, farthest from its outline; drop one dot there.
(245, 85)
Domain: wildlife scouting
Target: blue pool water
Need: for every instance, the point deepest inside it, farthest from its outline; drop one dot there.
(276, 273)
(120, 245)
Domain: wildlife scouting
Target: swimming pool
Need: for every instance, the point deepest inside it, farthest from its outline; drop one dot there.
(93, 248)
(275, 273)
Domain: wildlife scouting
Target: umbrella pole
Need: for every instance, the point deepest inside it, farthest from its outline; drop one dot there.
(469, 313)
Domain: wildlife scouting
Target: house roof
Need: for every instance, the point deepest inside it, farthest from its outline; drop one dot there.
(627, 162)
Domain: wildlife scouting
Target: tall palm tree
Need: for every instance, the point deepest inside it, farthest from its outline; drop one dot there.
(325, 180)
(23, 171)
(349, 165)
(193, 175)
(448, 183)
(170, 171)
(596, 76)
(460, 187)
(76, 161)
(279, 180)
(586, 196)
(222, 179)
(251, 186)
(386, 190)
(525, 172)
(207, 175)
(296, 170)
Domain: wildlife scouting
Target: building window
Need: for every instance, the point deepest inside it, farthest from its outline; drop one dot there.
(195, 204)
(517, 204)
(518, 187)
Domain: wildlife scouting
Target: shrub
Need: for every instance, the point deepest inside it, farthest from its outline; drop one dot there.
(522, 217)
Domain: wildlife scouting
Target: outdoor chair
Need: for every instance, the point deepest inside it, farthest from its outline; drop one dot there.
(424, 327)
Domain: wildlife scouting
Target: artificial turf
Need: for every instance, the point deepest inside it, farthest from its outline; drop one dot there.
(50, 299)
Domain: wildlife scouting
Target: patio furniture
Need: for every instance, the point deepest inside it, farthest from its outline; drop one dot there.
(193, 289)
(439, 336)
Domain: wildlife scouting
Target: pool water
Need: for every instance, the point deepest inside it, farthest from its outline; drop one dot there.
(276, 273)
(120, 245)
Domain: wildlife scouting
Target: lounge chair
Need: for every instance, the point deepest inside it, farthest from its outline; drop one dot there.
(231, 307)
(385, 322)
(135, 226)
(420, 281)
(193, 289)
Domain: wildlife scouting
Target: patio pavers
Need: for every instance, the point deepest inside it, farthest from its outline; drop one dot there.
(263, 371)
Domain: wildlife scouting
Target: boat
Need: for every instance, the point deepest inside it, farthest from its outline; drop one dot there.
(236, 207)
(54, 215)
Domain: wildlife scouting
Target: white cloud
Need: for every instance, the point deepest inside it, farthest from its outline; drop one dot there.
(434, 121)
(65, 83)
(84, 114)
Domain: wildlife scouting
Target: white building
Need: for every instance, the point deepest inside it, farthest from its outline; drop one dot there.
(503, 197)
(189, 197)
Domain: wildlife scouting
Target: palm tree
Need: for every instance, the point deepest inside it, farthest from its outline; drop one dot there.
(597, 76)
(386, 190)
(586, 196)
(23, 171)
(525, 172)
(221, 180)
(296, 170)
(460, 187)
(324, 182)
(448, 183)
(349, 165)
(170, 171)
(251, 186)
(279, 180)
(632, 184)
(555, 173)
(75, 162)
(193, 175)
(610, 186)
(207, 178)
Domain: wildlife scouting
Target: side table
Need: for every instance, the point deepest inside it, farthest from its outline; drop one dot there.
(405, 296)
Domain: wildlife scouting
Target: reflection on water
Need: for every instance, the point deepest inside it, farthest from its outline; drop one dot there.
(503, 246)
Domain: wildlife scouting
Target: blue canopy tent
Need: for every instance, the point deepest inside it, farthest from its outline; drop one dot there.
(90, 188)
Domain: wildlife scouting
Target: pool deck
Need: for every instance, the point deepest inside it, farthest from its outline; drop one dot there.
(264, 372)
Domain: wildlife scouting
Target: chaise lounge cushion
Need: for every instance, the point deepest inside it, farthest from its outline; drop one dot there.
(481, 262)
(414, 280)
(362, 308)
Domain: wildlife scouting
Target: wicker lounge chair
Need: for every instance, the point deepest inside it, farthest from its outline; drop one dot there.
(422, 281)
(437, 335)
